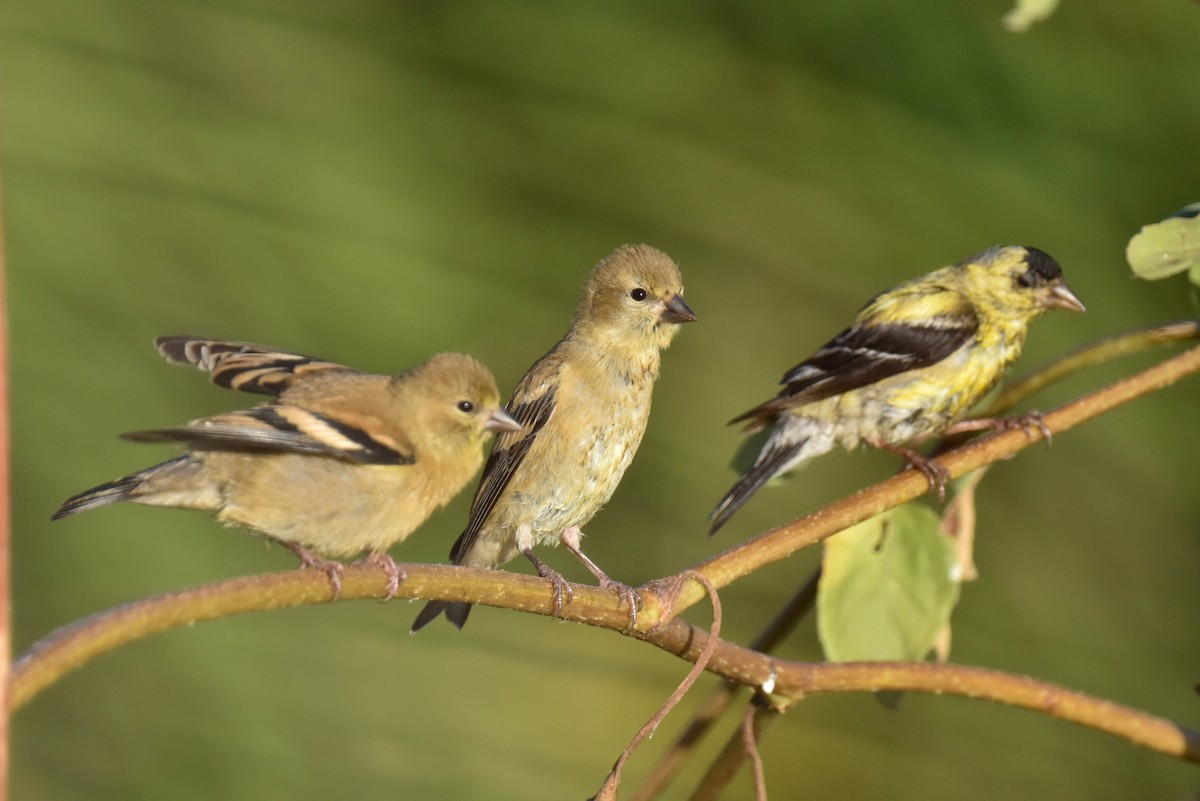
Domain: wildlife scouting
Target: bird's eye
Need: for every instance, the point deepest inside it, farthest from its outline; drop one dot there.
(466, 406)
(1027, 279)
(638, 294)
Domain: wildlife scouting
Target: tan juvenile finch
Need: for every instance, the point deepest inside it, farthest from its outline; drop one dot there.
(915, 359)
(341, 462)
(583, 409)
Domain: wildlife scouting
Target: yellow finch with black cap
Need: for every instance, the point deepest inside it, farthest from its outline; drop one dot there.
(916, 358)
(341, 462)
(583, 409)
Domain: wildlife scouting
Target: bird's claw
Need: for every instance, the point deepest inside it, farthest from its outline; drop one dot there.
(626, 596)
(559, 585)
(310, 561)
(394, 574)
(625, 593)
(1028, 422)
(934, 473)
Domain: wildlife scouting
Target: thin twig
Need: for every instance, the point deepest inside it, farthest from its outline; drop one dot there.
(750, 735)
(673, 760)
(608, 790)
(741, 745)
(1101, 351)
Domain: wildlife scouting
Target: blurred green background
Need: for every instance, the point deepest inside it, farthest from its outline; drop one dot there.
(372, 182)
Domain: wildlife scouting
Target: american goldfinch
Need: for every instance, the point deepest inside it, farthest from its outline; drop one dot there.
(916, 357)
(583, 408)
(339, 463)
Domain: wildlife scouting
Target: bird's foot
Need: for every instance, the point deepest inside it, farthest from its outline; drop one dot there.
(310, 561)
(625, 594)
(394, 574)
(560, 586)
(934, 473)
(1028, 422)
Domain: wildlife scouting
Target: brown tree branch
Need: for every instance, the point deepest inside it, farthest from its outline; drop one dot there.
(69, 647)
(792, 681)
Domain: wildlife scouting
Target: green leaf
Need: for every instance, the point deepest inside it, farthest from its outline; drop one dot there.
(888, 586)
(1164, 248)
(1026, 13)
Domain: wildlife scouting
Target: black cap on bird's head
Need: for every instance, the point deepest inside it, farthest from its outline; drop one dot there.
(1043, 268)
(1045, 272)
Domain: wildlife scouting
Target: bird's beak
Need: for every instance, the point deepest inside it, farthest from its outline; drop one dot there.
(676, 311)
(1061, 297)
(499, 420)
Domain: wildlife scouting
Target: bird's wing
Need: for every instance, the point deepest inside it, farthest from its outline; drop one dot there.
(532, 405)
(242, 365)
(279, 428)
(864, 354)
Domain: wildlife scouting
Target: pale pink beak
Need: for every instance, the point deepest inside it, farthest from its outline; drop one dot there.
(1061, 297)
(500, 420)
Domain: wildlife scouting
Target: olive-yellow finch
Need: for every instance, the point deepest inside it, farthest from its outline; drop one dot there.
(583, 409)
(339, 463)
(916, 358)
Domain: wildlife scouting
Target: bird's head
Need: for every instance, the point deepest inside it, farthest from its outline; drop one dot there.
(455, 399)
(634, 298)
(1024, 281)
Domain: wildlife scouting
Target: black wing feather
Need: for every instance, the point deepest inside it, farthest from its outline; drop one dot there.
(502, 465)
(268, 429)
(243, 366)
(863, 355)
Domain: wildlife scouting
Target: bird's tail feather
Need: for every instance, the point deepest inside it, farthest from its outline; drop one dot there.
(773, 461)
(103, 495)
(456, 612)
(166, 484)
